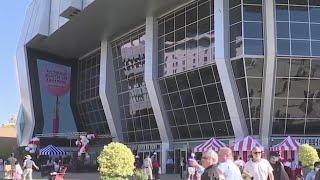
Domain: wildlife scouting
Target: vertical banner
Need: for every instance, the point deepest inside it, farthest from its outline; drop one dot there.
(55, 97)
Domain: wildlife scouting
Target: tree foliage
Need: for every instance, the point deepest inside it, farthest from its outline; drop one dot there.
(308, 155)
(116, 161)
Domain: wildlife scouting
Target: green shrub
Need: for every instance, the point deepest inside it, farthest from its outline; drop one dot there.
(308, 155)
(116, 162)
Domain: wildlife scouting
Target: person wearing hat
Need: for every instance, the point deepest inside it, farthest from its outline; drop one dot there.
(27, 165)
(278, 168)
(12, 161)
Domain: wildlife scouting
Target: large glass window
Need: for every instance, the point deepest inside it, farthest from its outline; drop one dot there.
(296, 96)
(189, 81)
(137, 118)
(89, 105)
(297, 28)
(246, 28)
(248, 75)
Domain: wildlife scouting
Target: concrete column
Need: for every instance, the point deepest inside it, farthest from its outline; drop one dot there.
(222, 57)
(108, 91)
(150, 77)
(269, 71)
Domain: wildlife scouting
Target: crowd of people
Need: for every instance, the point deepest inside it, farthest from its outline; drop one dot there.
(150, 166)
(18, 172)
(23, 170)
(222, 166)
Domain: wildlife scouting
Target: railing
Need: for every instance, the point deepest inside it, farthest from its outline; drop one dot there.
(71, 135)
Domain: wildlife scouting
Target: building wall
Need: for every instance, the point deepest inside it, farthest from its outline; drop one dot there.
(194, 95)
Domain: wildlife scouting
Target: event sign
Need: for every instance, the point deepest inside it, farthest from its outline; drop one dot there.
(54, 82)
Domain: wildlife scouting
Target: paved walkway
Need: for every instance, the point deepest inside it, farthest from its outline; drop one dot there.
(92, 176)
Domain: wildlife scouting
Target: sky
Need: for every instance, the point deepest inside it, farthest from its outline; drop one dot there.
(12, 14)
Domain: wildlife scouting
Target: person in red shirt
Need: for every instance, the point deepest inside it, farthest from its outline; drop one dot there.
(155, 168)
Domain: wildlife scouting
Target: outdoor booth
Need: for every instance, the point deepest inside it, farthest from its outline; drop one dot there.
(243, 147)
(288, 149)
(212, 143)
(50, 151)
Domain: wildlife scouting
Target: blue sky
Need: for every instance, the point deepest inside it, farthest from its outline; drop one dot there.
(12, 14)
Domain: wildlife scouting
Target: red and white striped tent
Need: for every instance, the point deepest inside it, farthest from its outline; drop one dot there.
(247, 144)
(288, 148)
(288, 144)
(212, 143)
(244, 147)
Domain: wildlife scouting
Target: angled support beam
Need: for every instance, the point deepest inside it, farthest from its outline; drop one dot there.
(108, 91)
(269, 75)
(150, 76)
(221, 25)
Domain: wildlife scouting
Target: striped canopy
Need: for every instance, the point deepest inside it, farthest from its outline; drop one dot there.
(52, 151)
(288, 144)
(212, 143)
(247, 144)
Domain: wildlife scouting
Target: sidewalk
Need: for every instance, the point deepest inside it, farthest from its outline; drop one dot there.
(92, 176)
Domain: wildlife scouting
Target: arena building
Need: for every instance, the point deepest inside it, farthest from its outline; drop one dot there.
(164, 75)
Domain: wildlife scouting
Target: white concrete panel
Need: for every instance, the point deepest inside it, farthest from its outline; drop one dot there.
(87, 3)
(221, 24)
(108, 91)
(23, 78)
(150, 76)
(70, 8)
(36, 25)
(56, 21)
(39, 21)
(269, 75)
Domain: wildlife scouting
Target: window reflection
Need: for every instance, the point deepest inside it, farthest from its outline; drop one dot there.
(188, 78)
(139, 122)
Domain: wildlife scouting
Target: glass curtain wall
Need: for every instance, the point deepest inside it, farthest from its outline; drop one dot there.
(90, 109)
(297, 82)
(246, 53)
(188, 77)
(137, 118)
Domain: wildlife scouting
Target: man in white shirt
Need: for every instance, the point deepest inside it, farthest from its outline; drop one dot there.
(258, 168)
(226, 165)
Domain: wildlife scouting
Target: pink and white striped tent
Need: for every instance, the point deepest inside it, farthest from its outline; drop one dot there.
(288, 144)
(212, 143)
(247, 144)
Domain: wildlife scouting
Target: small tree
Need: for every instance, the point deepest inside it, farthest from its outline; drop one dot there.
(116, 161)
(308, 155)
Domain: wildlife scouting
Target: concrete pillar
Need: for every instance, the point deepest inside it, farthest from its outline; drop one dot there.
(222, 58)
(108, 91)
(269, 71)
(151, 79)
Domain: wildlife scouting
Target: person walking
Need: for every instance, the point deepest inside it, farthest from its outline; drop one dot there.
(147, 167)
(209, 166)
(312, 174)
(27, 165)
(182, 165)
(226, 165)
(17, 175)
(278, 168)
(155, 168)
(258, 168)
(12, 161)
